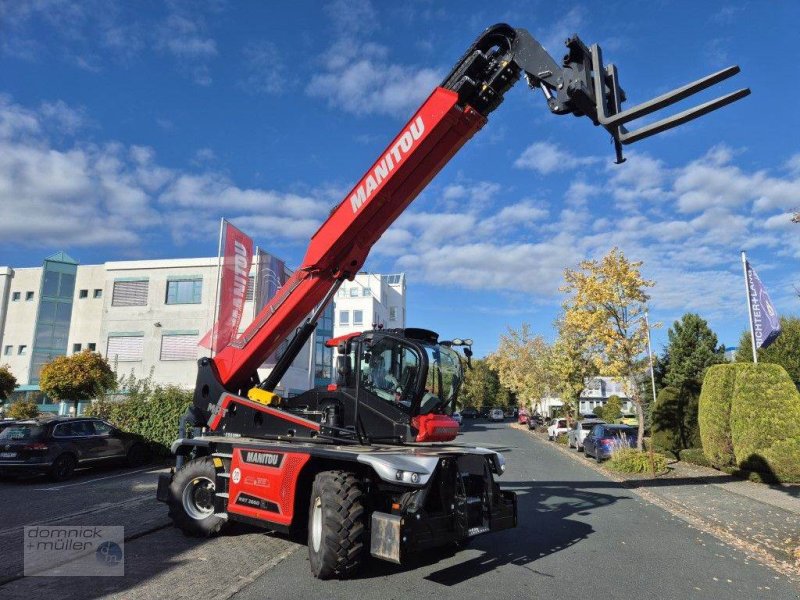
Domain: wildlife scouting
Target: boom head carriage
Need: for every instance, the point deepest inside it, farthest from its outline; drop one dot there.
(581, 85)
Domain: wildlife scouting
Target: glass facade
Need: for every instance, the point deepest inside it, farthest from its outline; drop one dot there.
(55, 312)
(323, 356)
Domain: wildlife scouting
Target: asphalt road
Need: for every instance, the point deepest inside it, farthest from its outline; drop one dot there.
(580, 536)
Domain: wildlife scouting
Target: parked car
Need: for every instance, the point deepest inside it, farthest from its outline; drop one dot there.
(456, 416)
(469, 413)
(7, 423)
(522, 416)
(509, 413)
(57, 446)
(534, 421)
(628, 419)
(556, 428)
(579, 431)
(496, 414)
(602, 440)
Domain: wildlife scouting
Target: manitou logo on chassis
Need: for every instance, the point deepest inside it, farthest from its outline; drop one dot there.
(269, 459)
(387, 164)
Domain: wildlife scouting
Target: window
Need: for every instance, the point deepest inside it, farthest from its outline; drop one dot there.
(341, 293)
(28, 296)
(22, 349)
(391, 372)
(249, 290)
(83, 294)
(98, 293)
(179, 347)
(101, 427)
(130, 293)
(353, 292)
(358, 317)
(393, 313)
(184, 291)
(58, 285)
(125, 348)
(366, 291)
(344, 317)
(8, 349)
(15, 296)
(76, 348)
(392, 279)
(91, 346)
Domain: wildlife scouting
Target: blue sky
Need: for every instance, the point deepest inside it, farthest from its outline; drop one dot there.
(127, 130)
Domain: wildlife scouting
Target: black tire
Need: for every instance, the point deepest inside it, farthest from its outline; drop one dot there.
(137, 456)
(597, 457)
(191, 499)
(63, 468)
(336, 525)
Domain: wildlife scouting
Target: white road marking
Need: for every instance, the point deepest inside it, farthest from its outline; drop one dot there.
(61, 487)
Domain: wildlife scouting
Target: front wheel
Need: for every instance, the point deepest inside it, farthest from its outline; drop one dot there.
(191, 499)
(63, 468)
(336, 525)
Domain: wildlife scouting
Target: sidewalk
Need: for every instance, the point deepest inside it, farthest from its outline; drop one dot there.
(761, 519)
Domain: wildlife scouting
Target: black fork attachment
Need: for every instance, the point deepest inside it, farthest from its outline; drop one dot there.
(581, 86)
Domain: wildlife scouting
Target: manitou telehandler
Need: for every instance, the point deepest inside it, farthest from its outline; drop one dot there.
(363, 465)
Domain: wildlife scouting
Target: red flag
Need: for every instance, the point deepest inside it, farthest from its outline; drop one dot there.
(237, 257)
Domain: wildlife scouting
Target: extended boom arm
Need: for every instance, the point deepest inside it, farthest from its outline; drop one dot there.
(450, 116)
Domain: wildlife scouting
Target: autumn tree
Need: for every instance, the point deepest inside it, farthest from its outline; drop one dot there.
(784, 351)
(77, 378)
(7, 383)
(523, 364)
(24, 409)
(572, 366)
(605, 305)
(481, 385)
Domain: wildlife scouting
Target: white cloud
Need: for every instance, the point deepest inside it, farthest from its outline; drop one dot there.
(265, 68)
(357, 75)
(546, 158)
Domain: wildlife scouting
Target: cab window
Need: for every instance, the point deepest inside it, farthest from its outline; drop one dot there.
(388, 370)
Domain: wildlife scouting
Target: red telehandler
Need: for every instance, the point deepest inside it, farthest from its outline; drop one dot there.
(365, 465)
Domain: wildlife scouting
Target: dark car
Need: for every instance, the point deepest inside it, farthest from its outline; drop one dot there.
(57, 446)
(604, 439)
(470, 413)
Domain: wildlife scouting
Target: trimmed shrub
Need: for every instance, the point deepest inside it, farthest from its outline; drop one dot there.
(695, 456)
(765, 421)
(674, 421)
(714, 414)
(629, 460)
(154, 415)
(23, 409)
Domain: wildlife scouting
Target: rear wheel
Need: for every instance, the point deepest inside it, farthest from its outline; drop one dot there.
(191, 499)
(336, 525)
(63, 467)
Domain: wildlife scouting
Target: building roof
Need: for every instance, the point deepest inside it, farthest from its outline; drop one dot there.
(62, 257)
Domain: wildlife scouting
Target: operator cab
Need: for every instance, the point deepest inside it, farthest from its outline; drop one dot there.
(398, 384)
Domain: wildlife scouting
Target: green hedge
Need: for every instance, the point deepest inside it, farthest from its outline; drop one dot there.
(674, 421)
(695, 456)
(765, 421)
(154, 415)
(715, 415)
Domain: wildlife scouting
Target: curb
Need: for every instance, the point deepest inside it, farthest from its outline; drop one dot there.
(750, 547)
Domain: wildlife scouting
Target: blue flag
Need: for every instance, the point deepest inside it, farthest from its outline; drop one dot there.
(766, 323)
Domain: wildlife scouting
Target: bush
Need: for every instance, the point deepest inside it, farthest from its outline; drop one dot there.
(23, 409)
(674, 421)
(765, 421)
(153, 413)
(629, 460)
(714, 415)
(562, 439)
(695, 456)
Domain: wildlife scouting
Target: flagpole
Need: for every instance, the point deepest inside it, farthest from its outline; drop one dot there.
(216, 291)
(749, 309)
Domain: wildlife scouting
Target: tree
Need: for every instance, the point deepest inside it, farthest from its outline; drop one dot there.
(605, 305)
(77, 378)
(522, 362)
(481, 384)
(24, 409)
(784, 351)
(572, 366)
(7, 383)
(611, 411)
(691, 350)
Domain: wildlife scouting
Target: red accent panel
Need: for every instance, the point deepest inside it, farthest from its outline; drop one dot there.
(227, 399)
(435, 428)
(333, 342)
(332, 387)
(340, 246)
(272, 488)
